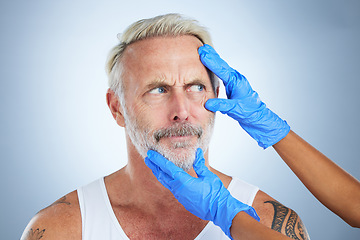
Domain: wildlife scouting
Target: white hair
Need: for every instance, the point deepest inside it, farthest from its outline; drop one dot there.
(161, 26)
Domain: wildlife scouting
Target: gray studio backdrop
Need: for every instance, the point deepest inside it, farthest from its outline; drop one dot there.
(302, 57)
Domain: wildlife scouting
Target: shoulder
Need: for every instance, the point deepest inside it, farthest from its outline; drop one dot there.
(278, 217)
(60, 220)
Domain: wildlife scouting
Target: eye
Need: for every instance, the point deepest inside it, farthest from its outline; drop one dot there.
(196, 88)
(158, 90)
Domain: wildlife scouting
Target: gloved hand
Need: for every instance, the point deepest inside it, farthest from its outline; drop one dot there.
(243, 104)
(205, 196)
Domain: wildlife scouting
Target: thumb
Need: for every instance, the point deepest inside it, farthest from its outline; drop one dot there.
(218, 104)
(199, 164)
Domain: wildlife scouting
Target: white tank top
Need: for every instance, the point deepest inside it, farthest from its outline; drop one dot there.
(99, 220)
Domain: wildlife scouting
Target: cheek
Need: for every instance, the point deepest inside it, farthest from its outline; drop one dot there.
(137, 111)
(150, 115)
(197, 98)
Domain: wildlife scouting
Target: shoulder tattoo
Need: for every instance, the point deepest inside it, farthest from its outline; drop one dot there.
(59, 201)
(286, 221)
(34, 234)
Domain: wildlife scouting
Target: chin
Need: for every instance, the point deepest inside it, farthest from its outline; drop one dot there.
(182, 157)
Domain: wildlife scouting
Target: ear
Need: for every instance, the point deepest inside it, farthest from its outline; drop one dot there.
(113, 102)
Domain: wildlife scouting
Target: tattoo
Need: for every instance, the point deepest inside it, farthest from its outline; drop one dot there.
(34, 234)
(280, 213)
(290, 226)
(302, 230)
(59, 201)
(294, 228)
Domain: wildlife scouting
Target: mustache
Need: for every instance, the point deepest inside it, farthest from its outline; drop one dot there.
(178, 130)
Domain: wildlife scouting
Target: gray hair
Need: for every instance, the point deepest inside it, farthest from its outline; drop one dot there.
(161, 26)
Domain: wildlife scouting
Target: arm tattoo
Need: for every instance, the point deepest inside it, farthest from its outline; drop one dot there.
(294, 228)
(34, 234)
(302, 230)
(290, 226)
(280, 213)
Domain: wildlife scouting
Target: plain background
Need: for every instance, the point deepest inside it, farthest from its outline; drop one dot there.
(302, 57)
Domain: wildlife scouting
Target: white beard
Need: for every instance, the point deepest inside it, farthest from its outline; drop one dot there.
(145, 139)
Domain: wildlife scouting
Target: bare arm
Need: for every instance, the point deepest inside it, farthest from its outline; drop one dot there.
(276, 222)
(330, 184)
(245, 227)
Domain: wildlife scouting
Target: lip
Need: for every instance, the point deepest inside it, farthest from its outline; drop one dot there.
(180, 138)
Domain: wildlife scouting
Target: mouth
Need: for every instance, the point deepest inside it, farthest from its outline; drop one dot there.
(180, 142)
(181, 138)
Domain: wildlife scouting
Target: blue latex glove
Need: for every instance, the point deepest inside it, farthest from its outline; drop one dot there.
(205, 196)
(243, 104)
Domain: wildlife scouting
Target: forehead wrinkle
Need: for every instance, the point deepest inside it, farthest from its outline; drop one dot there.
(158, 81)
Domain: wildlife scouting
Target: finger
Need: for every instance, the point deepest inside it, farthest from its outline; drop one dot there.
(236, 85)
(154, 168)
(199, 156)
(164, 164)
(211, 59)
(199, 163)
(162, 177)
(158, 173)
(168, 168)
(218, 104)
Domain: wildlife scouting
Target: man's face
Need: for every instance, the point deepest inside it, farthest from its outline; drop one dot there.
(165, 89)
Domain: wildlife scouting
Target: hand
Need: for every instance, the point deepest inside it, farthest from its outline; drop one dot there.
(243, 104)
(205, 196)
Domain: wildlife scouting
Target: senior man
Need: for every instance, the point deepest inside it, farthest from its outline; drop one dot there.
(158, 91)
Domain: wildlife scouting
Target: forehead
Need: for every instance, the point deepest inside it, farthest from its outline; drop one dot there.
(171, 58)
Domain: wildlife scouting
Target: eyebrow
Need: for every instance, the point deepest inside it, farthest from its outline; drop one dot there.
(158, 82)
(161, 82)
(196, 81)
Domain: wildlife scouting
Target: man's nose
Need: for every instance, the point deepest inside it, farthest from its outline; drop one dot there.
(179, 107)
